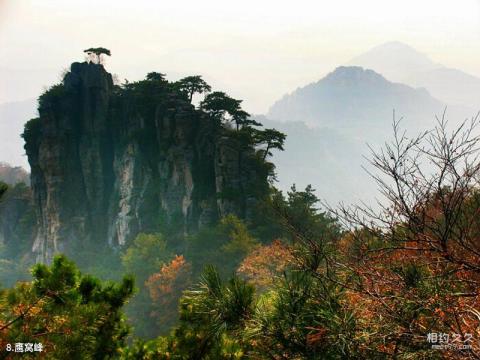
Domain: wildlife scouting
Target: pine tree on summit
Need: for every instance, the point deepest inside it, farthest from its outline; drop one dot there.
(96, 55)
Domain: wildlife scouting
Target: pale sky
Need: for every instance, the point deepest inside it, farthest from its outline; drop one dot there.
(254, 50)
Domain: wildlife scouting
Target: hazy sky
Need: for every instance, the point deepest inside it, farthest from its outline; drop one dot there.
(255, 50)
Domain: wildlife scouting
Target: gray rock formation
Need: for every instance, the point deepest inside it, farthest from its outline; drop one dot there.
(109, 162)
(16, 217)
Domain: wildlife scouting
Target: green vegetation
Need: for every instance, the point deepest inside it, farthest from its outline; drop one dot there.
(74, 316)
(317, 303)
(18, 227)
(163, 258)
(272, 139)
(286, 279)
(193, 85)
(143, 258)
(217, 318)
(50, 99)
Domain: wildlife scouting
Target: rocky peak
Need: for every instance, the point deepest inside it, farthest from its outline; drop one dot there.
(353, 76)
(109, 162)
(88, 76)
(354, 98)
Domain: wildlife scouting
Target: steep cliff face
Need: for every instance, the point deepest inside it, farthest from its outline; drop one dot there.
(17, 220)
(108, 162)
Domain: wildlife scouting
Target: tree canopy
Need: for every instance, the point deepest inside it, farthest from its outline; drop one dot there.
(69, 313)
(95, 55)
(272, 139)
(193, 85)
(224, 108)
(155, 76)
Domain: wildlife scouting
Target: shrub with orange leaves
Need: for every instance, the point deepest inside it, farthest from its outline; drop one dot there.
(401, 294)
(264, 263)
(166, 287)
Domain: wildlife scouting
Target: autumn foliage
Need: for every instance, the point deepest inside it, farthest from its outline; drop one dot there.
(266, 263)
(166, 287)
(399, 281)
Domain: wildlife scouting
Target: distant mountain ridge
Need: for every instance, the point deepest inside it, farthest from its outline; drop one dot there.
(330, 122)
(395, 60)
(399, 62)
(353, 98)
(13, 174)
